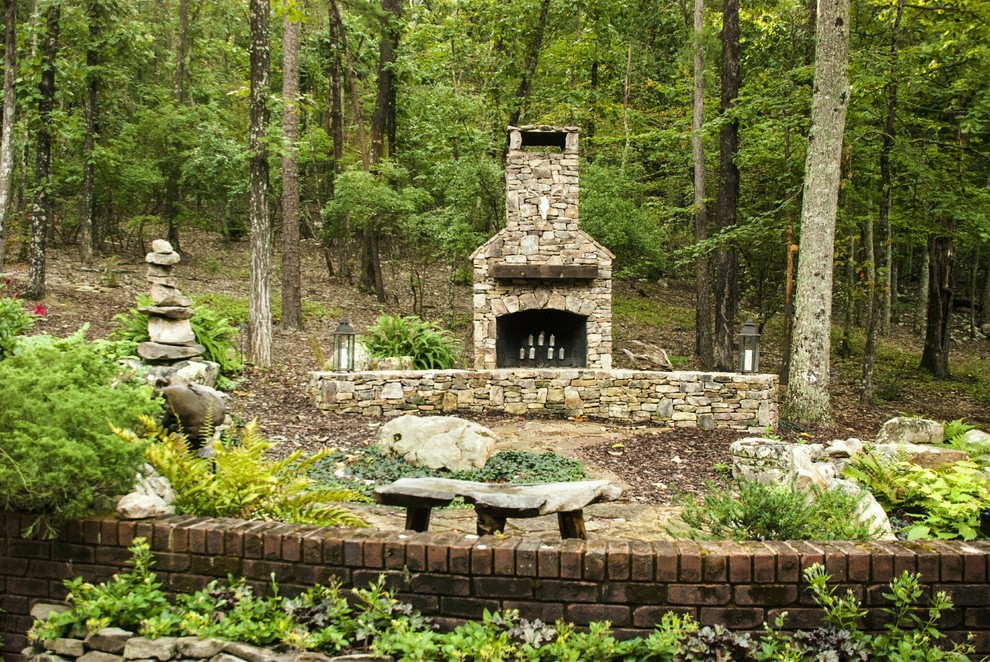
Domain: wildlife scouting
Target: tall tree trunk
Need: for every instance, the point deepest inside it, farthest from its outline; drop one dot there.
(9, 111)
(529, 66)
(291, 277)
(42, 206)
(921, 309)
(352, 83)
(383, 118)
(845, 348)
(336, 133)
(985, 299)
(935, 355)
(807, 395)
(703, 287)
(260, 305)
(886, 257)
(170, 205)
(87, 221)
(727, 198)
(973, 292)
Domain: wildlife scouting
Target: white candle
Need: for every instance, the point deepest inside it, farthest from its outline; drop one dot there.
(561, 354)
(532, 352)
(747, 360)
(522, 353)
(552, 340)
(550, 352)
(531, 340)
(342, 362)
(540, 343)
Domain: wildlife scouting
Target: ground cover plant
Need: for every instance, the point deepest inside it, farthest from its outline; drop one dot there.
(323, 619)
(365, 469)
(234, 478)
(58, 453)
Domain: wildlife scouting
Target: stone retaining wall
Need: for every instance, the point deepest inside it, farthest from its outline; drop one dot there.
(676, 399)
(454, 576)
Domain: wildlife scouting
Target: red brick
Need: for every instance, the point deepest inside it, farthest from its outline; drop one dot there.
(642, 562)
(571, 558)
(170, 562)
(503, 587)
(963, 595)
(437, 552)
(548, 561)
(740, 563)
(459, 559)
(440, 584)
(197, 537)
(566, 591)
(40, 569)
(526, 557)
(950, 562)
(272, 536)
(38, 588)
(905, 560)
(91, 531)
(637, 593)
(974, 565)
(734, 618)
(108, 532)
(928, 563)
(312, 546)
(583, 614)
(788, 561)
(186, 583)
(594, 561)
(666, 561)
(769, 595)
(395, 552)
(426, 604)
(145, 530)
(715, 567)
(354, 548)
(117, 556)
(466, 607)
(977, 618)
(73, 531)
(233, 538)
(28, 549)
(699, 594)
(764, 564)
(881, 563)
(835, 562)
(482, 562)
(505, 556)
(618, 560)
(374, 548)
(690, 562)
(261, 570)
(292, 546)
(416, 551)
(74, 553)
(811, 553)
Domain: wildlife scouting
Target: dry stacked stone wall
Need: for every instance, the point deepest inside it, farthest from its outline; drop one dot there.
(454, 576)
(676, 399)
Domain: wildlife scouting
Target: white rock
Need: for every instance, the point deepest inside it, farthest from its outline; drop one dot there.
(438, 442)
(196, 372)
(920, 454)
(161, 246)
(170, 331)
(844, 447)
(974, 438)
(907, 430)
(869, 512)
(141, 506)
(163, 295)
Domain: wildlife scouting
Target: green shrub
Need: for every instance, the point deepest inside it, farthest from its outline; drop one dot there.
(213, 331)
(774, 512)
(13, 322)
(238, 480)
(57, 450)
(430, 347)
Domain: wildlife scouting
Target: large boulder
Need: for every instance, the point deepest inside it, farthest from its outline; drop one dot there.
(191, 408)
(921, 454)
(974, 438)
(869, 511)
(438, 442)
(908, 430)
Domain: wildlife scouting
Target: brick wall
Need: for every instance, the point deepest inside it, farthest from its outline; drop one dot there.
(455, 576)
(676, 399)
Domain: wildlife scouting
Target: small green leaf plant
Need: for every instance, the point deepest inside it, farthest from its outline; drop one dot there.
(237, 480)
(430, 347)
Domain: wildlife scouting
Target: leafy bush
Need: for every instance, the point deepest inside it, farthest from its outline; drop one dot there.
(368, 468)
(943, 502)
(774, 512)
(430, 347)
(237, 480)
(212, 330)
(14, 321)
(321, 619)
(57, 451)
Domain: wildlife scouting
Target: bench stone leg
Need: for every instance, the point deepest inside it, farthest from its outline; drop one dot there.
(572, 524)
(489, 524)
(418, 519)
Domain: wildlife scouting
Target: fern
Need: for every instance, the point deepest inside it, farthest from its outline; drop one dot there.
(239, 482)
(879, 475)
(956, 429)
(430, 347)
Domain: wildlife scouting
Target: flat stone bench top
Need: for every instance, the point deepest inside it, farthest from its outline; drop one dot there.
(494, 502)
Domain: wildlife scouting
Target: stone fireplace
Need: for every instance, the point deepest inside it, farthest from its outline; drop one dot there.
(542, 286)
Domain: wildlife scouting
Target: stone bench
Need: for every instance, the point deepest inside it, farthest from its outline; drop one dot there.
(494, 503)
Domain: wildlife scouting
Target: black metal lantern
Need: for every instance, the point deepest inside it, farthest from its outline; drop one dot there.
(343, 347)
(749, 348)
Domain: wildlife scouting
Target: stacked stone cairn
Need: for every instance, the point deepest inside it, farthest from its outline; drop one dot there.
(172, 337)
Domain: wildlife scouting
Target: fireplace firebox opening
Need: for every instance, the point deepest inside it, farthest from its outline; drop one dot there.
(541, 339)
